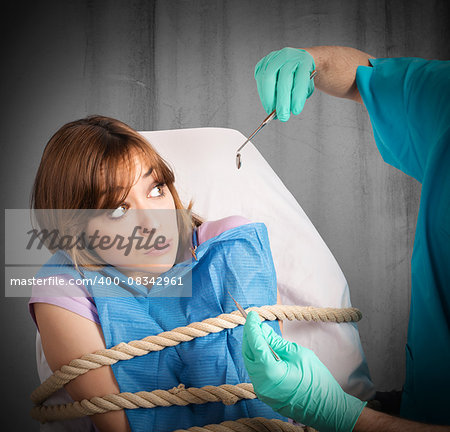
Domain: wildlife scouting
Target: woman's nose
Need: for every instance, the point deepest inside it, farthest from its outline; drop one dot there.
(148, 219)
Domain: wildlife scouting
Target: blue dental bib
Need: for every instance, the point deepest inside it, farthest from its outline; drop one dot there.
(238, 260)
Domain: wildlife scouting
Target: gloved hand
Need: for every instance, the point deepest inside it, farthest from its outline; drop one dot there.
(298, 386)
(283, 80)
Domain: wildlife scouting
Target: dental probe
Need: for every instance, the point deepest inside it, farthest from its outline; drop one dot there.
(266, 121)
(244, 314)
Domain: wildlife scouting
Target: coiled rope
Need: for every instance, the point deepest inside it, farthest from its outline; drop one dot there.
(179, 395)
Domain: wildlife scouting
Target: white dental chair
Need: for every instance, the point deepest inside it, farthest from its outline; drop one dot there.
(203, 161)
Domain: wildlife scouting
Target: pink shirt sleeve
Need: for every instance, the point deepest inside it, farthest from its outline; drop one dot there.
(76, 299)
(212, 229)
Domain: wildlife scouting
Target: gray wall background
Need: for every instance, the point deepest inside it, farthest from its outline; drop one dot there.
(178, 64)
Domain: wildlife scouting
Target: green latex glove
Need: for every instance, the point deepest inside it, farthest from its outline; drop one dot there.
(298, 386)
(283, 80)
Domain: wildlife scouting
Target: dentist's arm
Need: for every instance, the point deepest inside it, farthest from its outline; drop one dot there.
(336, 70)
(300, 387)
(374, 421)
(283, 77)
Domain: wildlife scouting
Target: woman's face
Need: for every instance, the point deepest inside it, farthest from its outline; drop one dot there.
(147, 223)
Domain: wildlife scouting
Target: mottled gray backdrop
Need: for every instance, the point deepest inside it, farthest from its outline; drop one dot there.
(179, 64)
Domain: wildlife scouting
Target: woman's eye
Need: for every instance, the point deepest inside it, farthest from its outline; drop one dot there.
(157, 191)
(118, 212)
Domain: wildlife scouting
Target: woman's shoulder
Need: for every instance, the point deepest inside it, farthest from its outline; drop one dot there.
(214, 228)
(60, 290)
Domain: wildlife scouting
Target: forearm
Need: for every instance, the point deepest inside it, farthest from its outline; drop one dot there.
(336, 70)
(374, 421)
(65, 336)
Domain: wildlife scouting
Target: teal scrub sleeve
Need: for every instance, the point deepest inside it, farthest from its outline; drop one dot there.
(408, 103)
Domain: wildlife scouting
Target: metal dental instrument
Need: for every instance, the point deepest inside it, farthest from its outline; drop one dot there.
(267, 120)
(244, 314)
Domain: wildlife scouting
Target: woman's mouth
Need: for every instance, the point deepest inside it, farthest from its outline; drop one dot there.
(161, 250)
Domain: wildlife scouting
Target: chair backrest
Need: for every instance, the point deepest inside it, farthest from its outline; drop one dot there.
(203, 161)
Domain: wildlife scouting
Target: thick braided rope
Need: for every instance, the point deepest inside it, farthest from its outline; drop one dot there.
(227, 394)
(126, 351)
(256, 424)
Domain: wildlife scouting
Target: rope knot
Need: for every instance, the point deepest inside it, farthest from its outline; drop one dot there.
(178, 389)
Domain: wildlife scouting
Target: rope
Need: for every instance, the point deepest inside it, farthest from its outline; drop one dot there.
(181, 396)
(126, 351)
(256, 424)
(227, 394)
